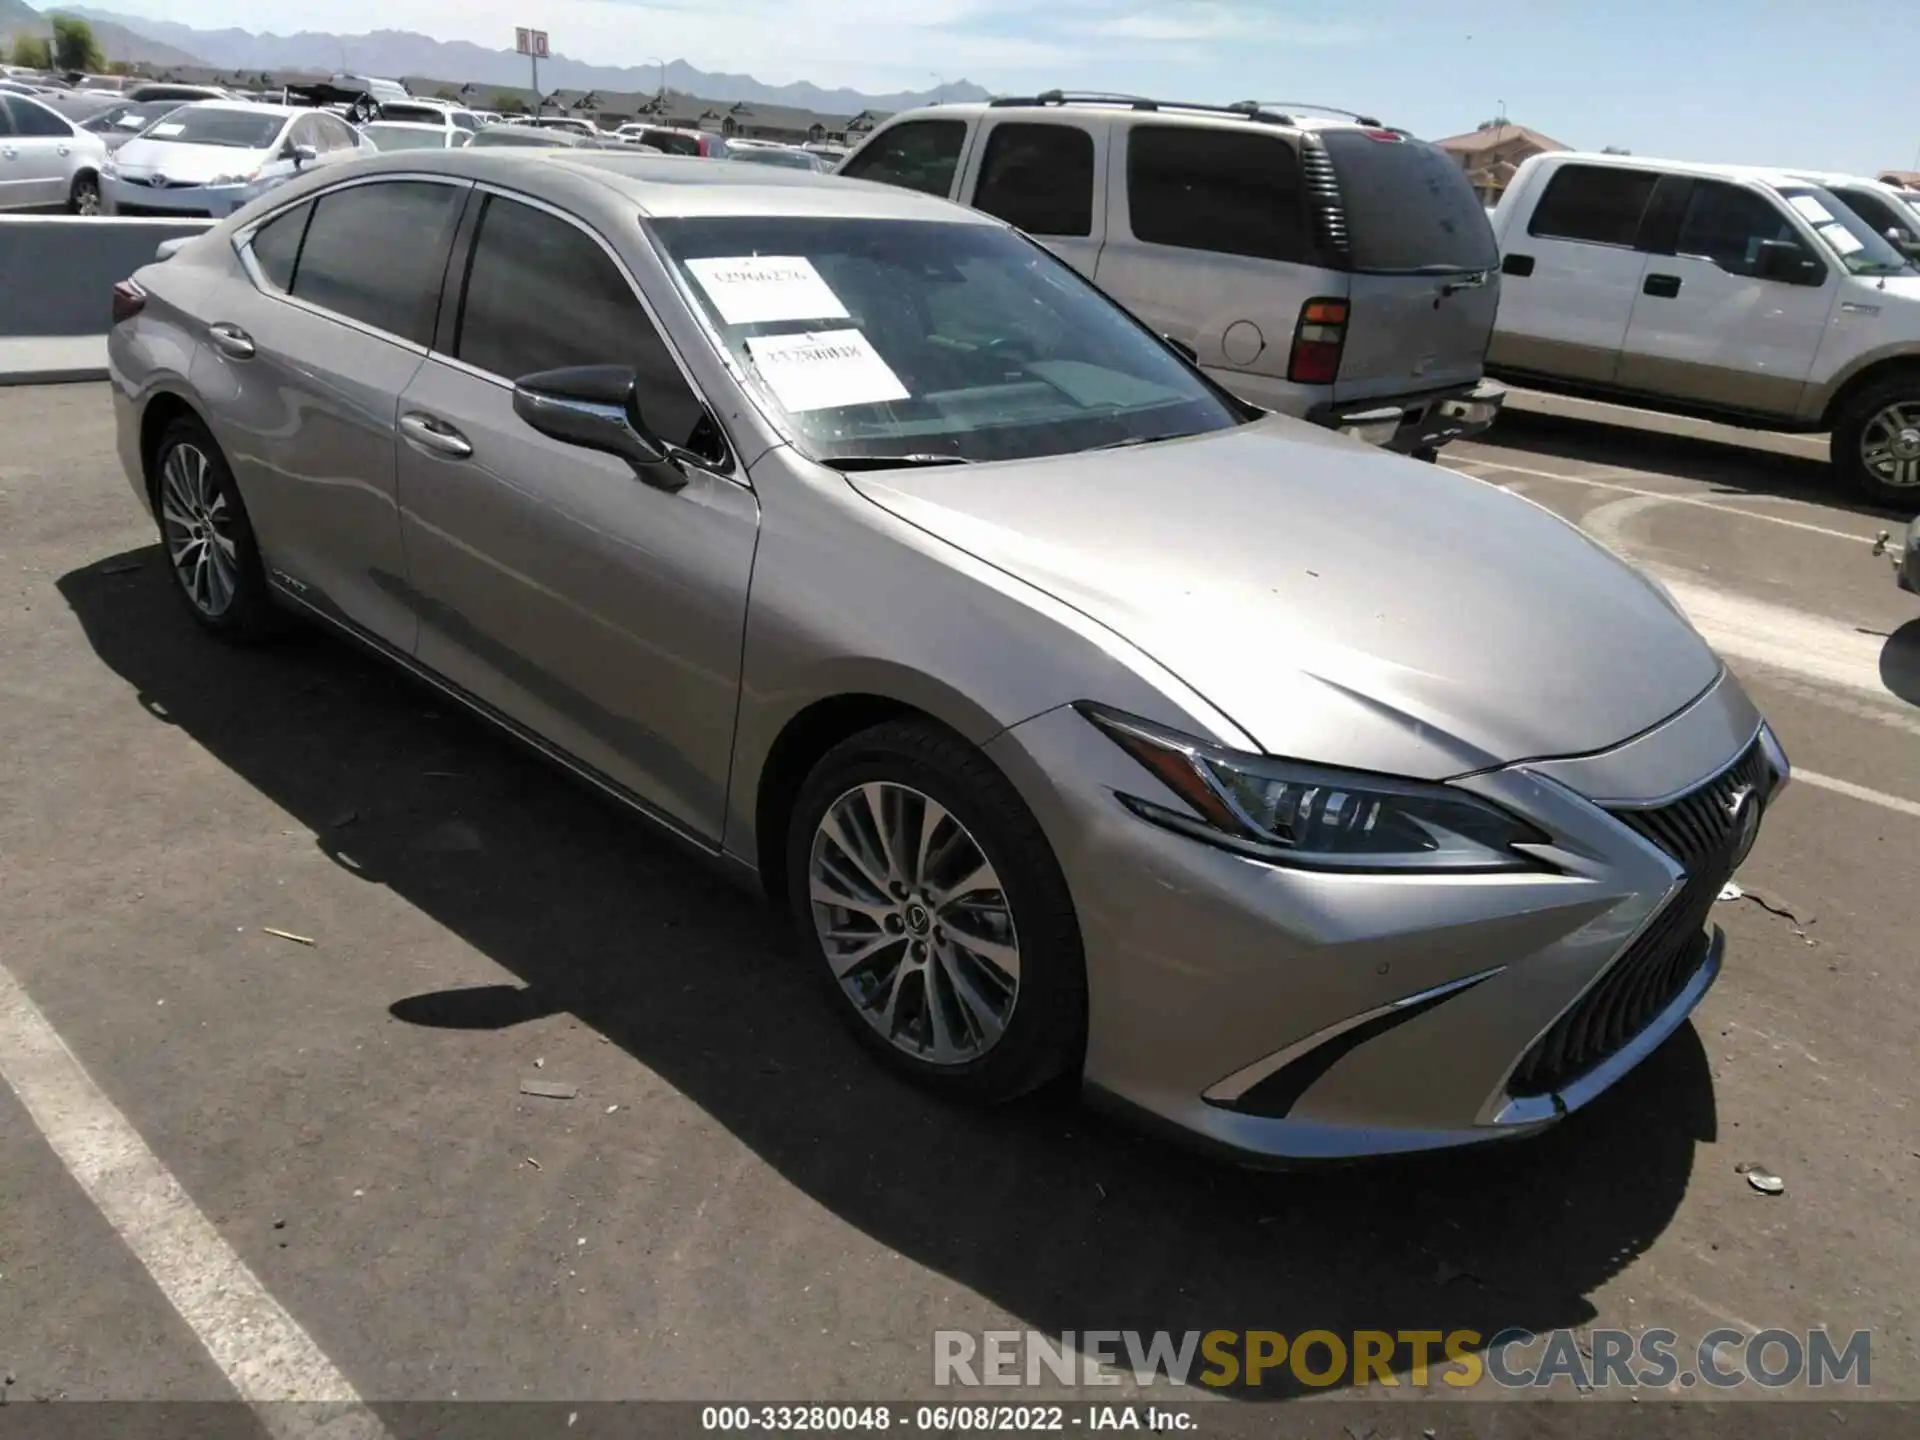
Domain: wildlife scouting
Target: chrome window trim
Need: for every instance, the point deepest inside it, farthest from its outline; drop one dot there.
(731, 471)
(243, 250)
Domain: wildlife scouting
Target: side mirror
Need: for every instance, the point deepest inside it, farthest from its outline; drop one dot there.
(595, 407)
(1192, 355)
(300, 154)
(1787, 261)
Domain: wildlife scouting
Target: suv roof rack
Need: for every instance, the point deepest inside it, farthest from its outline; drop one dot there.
(1245, 109)
(1289, 105)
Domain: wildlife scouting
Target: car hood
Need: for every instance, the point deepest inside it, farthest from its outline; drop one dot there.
(1336, 602)
(147, 156)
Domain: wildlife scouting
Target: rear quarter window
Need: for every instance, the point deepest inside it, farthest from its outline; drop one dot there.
(1599, 204)
(1233, 192)
(1409, 206)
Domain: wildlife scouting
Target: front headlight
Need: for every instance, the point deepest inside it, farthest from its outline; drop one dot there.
(1314, 817)
(109, 168)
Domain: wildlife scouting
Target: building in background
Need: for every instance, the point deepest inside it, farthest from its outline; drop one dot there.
(1492, 152)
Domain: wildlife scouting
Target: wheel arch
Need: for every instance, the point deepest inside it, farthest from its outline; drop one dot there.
(159, 414)
(1867, 376)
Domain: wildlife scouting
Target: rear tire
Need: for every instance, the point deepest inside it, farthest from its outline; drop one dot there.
(925, 957)
(1876, 443)
(83, 197)
(211, 553)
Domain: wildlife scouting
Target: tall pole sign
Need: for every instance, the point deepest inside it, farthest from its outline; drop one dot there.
(533, 45)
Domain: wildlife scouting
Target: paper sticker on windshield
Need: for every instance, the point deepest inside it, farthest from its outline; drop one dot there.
(167, 127)
(1811, 208)
(824, 371)
(749, 289)
(1842, 239)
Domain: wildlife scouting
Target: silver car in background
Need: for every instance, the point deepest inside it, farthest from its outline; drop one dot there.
(211, 157)
(1063, 698)
(47, 162)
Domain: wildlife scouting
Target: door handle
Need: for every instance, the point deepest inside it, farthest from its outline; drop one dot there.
(1517, 265)
(231, 341)
(427, 433)
(10, 153)
(66, 149)
(1664, 286)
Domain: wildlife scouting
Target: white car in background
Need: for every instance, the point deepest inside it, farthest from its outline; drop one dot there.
(210, 158)
(408, 135)
(418, 111)
(46, 161)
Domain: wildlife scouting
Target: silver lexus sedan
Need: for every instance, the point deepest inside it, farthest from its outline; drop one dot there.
(1312, 801)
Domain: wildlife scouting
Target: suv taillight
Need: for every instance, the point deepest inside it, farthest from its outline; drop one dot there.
(128, 300)
(1317, 342)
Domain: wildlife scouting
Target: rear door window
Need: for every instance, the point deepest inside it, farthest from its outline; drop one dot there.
(1234, 192)
(919, 155)
(409, 225)
(1600, 204)
(30, 120)
(1038, 178)
(1409, 206)
(1727, 225)
(276, 246)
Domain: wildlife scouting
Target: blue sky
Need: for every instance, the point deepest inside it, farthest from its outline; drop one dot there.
(1763, 82)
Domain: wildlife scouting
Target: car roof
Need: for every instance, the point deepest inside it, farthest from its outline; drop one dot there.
(1281, 115)
(670, 186)
(247, 107)
(1699, 169)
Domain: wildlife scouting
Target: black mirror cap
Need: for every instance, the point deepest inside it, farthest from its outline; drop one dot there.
(1787, 260)
(593, 406)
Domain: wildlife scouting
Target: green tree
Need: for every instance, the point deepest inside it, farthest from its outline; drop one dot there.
(447, 92)
(32, 51)
(74, 47)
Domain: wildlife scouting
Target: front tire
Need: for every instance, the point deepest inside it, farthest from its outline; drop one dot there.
(1876, 443)
(83, 197)
(211, 552)
(930, 905)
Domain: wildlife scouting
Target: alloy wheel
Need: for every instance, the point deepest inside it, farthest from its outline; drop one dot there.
(914, 922)
(86, 198)
(1890, 445)
(197, 524)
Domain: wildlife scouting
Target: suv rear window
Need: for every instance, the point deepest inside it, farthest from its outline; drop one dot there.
(1233, 192)
(1409, 206)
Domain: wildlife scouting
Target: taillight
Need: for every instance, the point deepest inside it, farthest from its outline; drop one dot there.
(128, 300)
(1317, 341)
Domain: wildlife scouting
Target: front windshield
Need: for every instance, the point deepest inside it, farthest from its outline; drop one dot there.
(404, 137)
(1855, 243)
(896, 339)
(236, 129)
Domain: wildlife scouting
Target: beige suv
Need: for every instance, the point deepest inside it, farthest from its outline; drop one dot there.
(1320, 265)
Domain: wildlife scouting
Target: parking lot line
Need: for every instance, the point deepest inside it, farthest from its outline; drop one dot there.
(261, 1350)
(1658, 495)
(1860, 792)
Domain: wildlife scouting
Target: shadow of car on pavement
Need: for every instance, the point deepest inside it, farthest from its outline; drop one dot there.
(1065, 1219)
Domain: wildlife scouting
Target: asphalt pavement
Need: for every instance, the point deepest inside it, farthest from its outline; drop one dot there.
(232, 1161)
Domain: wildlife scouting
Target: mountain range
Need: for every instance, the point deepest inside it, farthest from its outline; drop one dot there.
(117, 42)
(399, 53)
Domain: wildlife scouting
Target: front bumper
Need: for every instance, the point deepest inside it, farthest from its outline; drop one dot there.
(1285, 1015)
(121, 196)
(1415, 423)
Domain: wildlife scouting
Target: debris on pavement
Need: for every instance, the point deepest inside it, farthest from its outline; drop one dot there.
(549, 1089)
(1798, 916)
(1763, 1179)
(288, 935)
(533, 1162)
